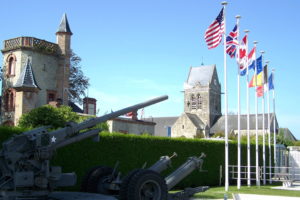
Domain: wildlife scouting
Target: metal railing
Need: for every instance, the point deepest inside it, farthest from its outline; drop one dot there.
(283, 174)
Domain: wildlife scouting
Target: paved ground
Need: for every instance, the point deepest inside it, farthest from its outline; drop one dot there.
(296, 187)
(78, 196)
(262, 197)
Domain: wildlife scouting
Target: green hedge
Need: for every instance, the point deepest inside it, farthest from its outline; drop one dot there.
(133, 151)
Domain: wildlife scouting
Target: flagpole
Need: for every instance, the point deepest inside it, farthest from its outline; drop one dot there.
(239, 110)
(256, 125)
(248, 118)
(269, 128)
(274, 127)
(224, 3)
(263, 123)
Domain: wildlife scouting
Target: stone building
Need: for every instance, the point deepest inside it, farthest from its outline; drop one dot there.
(129, 125)
(202, 115)
(35, 72)
(202, 103)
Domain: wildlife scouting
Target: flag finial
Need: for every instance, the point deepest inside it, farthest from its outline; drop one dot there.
(246, 31)
(255, 42)
(238, 16)
(224, 3)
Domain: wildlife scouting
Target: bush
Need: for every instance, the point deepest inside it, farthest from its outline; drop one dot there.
(48, 116)
(55, 117)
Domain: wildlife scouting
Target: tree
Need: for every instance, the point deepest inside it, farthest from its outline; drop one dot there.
(48, 116)
(78, 81)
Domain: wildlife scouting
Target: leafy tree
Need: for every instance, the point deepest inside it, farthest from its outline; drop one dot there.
(78, 81)
(55, 117)
(48, 116)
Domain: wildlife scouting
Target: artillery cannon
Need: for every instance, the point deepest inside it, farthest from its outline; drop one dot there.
(25, 170)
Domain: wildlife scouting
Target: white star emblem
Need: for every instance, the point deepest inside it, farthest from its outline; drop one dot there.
(53, 139)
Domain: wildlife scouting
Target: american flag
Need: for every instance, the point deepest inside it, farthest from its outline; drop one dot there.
(213, 34)
(232, 42)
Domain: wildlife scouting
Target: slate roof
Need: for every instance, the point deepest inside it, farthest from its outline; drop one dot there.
(64, 25)
(26, 80)
(75, 108)
(199, 75)
(161, 124)
(233, 123)
(288, 135)
(196, 120)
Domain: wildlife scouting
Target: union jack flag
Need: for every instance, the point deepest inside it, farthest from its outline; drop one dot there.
(232, 42)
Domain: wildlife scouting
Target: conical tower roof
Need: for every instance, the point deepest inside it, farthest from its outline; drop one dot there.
(26, 81)
(64, 25)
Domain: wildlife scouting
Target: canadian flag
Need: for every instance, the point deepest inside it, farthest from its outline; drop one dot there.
(242, 56)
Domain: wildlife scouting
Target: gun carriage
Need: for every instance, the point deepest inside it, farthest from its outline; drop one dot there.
(26, 173)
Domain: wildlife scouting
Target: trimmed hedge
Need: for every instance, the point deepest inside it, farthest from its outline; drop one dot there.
(133, 151)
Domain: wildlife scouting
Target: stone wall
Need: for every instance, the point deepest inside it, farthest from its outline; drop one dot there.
(131, 126)
(183, 127)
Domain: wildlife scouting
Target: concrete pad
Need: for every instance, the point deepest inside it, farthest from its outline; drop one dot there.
(78, 196)
(261, 197)
(295, 186)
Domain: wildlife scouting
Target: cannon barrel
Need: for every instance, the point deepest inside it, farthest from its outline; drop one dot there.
(69, 134)
(184, 170)
(162, 164)
(92, 122)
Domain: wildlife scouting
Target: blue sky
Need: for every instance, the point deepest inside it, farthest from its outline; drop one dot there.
(136, 49)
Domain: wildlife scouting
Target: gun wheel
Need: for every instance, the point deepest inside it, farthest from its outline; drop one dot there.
(86, 177)
(99, 181)
(147, 185)
(125, 181)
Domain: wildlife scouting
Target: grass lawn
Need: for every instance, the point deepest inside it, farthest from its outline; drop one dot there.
(218, 192)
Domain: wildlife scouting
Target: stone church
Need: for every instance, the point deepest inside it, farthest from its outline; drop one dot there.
(35, 73)
(202, 103)
(202, 116)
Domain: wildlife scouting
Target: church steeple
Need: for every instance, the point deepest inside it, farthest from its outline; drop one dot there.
(64, 25)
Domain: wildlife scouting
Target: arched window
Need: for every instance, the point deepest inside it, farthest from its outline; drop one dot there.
(199, 101)
(11, 60)
(193, 102)
(9, 100)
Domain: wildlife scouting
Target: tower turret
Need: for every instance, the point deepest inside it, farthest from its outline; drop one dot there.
(63, 39)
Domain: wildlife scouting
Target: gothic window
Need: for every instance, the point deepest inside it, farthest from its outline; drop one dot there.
(199, 101)
(9, 100)
(193, 102)
(11, 65)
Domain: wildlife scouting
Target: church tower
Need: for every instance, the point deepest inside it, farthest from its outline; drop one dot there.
(202, 94)
(202, 103)
(35, 72)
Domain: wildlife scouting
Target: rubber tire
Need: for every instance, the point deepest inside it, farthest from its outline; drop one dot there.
(98, 177)
(148, 180)
(124, 186)
(86, 177)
